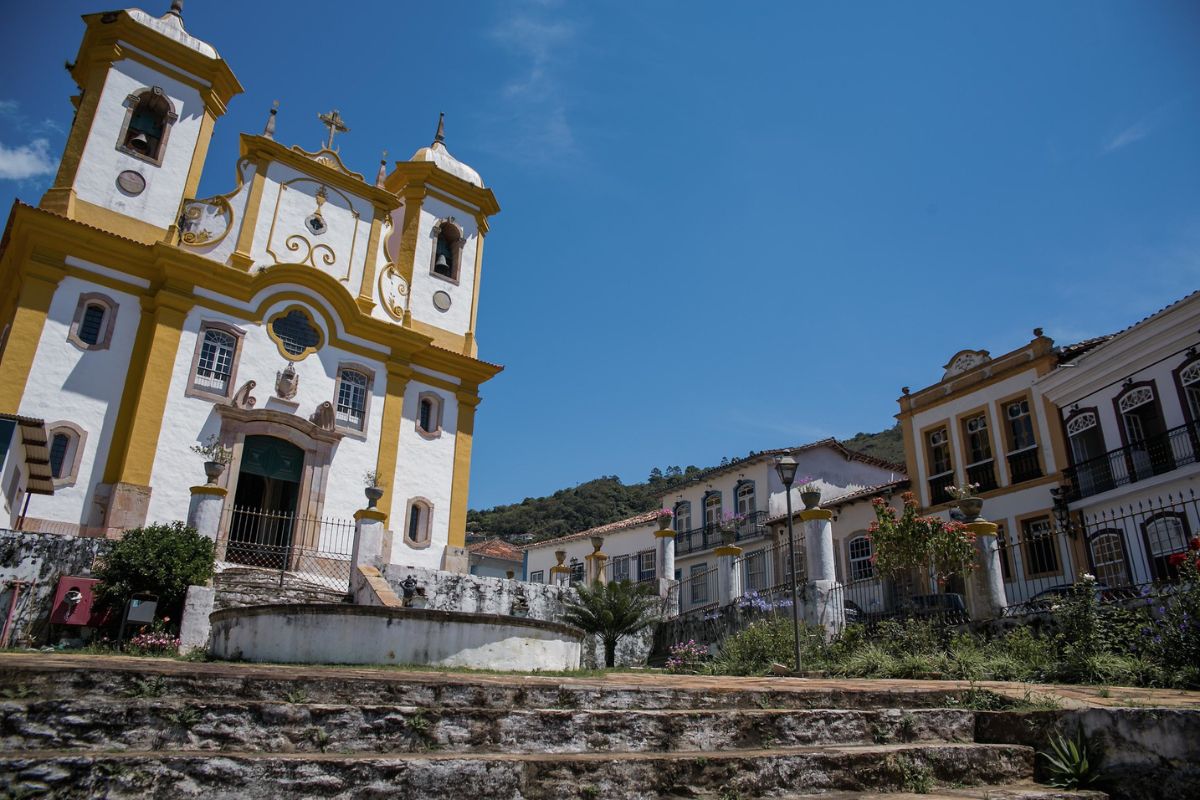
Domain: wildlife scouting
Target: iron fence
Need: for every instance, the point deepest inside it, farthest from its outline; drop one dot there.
(1138, 461)
(312, 549)
(753, 526)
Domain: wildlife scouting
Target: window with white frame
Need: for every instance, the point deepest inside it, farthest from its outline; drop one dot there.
(1189, 379)
(214, 366)
(939, 453)
(620, 568)
(646, 571)
(577, 571)
(537, 576)
(698, 583)
(712, 511)
(861, 565)
(1108, 558)
(1041, 547)
(683, 516)
(1165, 534)
(1020, 426)
(351, 407)
(746, 501)
(979, 448)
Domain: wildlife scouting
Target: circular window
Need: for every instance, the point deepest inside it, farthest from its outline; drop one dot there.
(441, 301)
(131, 183)
(316, 224)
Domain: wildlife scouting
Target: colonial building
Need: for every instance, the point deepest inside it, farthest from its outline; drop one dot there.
(318, 322)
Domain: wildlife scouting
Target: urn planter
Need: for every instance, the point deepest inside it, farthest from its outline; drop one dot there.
(971, 507)
(373, 494)
(213, 470)
(811, 498)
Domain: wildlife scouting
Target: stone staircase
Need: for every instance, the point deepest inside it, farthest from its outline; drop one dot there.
(116, 727)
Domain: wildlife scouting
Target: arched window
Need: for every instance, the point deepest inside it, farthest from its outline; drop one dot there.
(92, 326)
(66, 440)
(1165, 535)
(417, 522)
(1108, 558)
(429, 415)
(746, 501)
(683, 516)
(1188, 378)
(147, 124)
(215, 365)
(712, 511)
(859, 551)
(350, 408)
(447, 251)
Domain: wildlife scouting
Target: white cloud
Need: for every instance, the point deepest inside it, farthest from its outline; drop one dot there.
(26, 161)
(1133, 133)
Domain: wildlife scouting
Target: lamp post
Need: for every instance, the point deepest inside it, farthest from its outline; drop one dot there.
(786, 467)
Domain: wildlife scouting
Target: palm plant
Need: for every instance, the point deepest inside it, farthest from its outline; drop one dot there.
(612, 611)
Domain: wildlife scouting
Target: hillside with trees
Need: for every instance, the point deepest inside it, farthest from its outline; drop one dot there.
(606, 499)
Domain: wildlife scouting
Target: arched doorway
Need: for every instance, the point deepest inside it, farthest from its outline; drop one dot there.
(262, 525)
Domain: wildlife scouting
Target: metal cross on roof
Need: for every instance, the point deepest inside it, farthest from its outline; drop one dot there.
(333, 121)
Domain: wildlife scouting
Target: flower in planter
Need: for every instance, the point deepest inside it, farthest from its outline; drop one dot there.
(964, 492)
(665, 513)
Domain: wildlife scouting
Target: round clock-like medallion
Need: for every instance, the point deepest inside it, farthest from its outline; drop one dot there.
(131, 183)
(441, 301)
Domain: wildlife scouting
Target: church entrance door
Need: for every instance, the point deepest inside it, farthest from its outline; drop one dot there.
(263, 524)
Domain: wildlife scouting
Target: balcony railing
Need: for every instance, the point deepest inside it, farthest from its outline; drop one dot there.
(983, 473)
(698, 539)
(937, 488)
(1151, 456)
(1024, 466)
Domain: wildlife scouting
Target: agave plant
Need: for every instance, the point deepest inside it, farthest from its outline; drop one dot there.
(1072, 763)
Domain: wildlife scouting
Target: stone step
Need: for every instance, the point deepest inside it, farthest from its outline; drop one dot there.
(251, 725)
(433, 776)
(61, 676)
(1022, 791)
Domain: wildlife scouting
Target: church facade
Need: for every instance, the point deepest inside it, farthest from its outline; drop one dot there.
(315, 325)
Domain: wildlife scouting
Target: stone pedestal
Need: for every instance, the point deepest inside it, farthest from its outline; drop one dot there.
(827, 604)
(194, 626)
(560, 575)
(985, 585)
(128, 504)
(665, 539)
(369, 532)
(456, 559)
(205, 509)
(728, 581)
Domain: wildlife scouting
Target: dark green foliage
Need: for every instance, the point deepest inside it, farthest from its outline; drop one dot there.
(606, 499)
(612, 610)
(160, 559)
(1072, 763)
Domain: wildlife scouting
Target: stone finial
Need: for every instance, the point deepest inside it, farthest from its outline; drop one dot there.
(904, 390)
(269, 129)
(177, 8)
(1037, 332)
(381, 176)
(440, 136)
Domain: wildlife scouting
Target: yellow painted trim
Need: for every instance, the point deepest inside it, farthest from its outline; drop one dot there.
(667, 533)
(140, 415)
(460, 485)
(61, 197)
(389, 431)
(810, 514)
(983, 528)
(470, 347)
(408, 175)
(440, 336)
(241, 258)
(429, 380)
(308, 314)
(38, 285)
(596, 557)
(207, 489)
(199, 154)
(365, 286)
(370, 513)
(261, 148)
(406, 255)
(116, 222)
(727, 550)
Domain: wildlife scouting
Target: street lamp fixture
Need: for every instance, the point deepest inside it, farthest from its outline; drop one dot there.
(786, 467)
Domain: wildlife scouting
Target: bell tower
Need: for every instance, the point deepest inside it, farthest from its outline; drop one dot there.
(150, 93)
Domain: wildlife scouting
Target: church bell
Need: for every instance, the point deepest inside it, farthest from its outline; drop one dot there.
(441, 264)
(140, 143)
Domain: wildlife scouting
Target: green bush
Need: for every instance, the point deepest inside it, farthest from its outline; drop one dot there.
(162, 560)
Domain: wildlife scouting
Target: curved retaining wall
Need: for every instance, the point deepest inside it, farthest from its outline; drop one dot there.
(351, 634)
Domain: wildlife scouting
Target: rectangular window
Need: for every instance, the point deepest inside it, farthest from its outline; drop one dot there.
(978, 447)
(939, 453)
(1041, 547)
(577, 574)
(756, 571)
(537, 576)
(861, 566)
(1020, 426)
(646, 565)
(698, 582)
(351, 399)
(620, 568)
(214, 367)
(1003, 547)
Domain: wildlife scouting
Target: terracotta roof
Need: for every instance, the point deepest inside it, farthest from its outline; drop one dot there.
(37, 453)
(495, 548)
(1090, 344)
(1070, 352)
(644, 518)
(853, 497)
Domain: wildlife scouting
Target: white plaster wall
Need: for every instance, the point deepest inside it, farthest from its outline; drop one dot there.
(425, 469)
(458, 318)
(67, 383)
(95, 181)
(223, 249)
(282, 214)
(628, 542)
(191, 420)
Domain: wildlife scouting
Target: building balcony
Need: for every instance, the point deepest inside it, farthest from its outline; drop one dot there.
(709, 536)
(938, 485)
(1154, 455)
(984, 474)
(1023, 465)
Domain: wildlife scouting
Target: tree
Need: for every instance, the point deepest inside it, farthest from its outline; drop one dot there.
(612, 610)
(163, 560)
(912, 542)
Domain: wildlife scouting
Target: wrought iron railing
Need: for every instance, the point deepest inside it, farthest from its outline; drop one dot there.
(938, 485)
(1024, 466)
(1138, 461)
(309, 548)
(709, 536)
(984, 474)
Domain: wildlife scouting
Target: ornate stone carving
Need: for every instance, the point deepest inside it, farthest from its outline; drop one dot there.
(286, 383)
(323, 417)
(241, 398)
(965, 360)
(1135, 397)
(1080, 423)
(393, 291)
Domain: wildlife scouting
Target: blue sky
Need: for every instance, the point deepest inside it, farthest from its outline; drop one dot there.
(727, 227)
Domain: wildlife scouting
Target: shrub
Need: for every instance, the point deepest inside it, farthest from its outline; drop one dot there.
(612, 611)
(686, 656)
(1172, 635)
(159, 559)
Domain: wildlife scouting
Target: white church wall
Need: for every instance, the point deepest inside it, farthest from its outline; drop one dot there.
(192, 420)
(424, 469)
(458, 318)
(222, 250)
(74, 385)
(95, 181)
